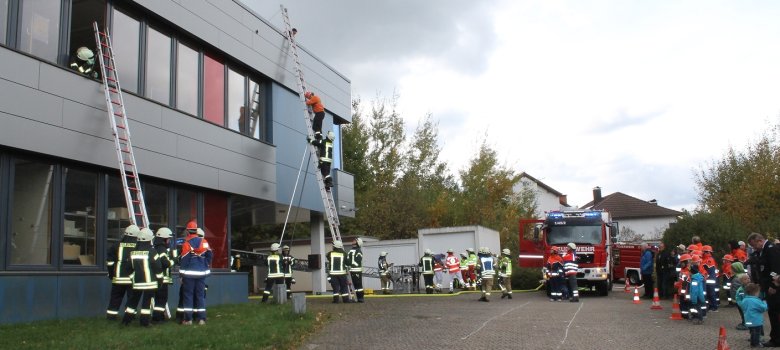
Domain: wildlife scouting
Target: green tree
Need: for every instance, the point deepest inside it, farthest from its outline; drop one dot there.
(715, 229)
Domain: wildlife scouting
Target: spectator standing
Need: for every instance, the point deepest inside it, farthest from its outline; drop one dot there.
(664, 270)
(646, 268)
(768, 265)
(754, 313)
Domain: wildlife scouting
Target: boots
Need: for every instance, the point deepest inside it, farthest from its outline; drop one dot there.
(335, 299)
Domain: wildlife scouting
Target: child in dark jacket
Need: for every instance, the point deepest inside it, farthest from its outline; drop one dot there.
(754, 309)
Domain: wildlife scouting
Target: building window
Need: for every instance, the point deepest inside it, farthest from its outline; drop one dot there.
(31, 213)
(158, 66)
(125, 40)
(78, 227)
(236, 105)
(156, 200)
(213, 90)
(40, 30)
(186, 208)
(257, 111)
(3, 21)
(118, 216)
(187, 79)
(215, 226)
(84, 13)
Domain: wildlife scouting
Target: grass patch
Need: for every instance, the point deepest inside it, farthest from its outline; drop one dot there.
(238, 326)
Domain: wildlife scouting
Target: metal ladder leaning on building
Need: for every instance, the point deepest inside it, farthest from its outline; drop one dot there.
(327, 196)
(115, 105)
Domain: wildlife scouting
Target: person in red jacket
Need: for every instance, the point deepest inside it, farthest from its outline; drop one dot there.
(315, 103)
(452, 264)
(728, 275)
(711, 278)
(683, 285)
(555, 275)
(737, 252)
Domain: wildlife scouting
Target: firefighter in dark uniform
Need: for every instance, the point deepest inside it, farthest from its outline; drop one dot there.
(84, 62)
(119, 269)
(275, 272)
(325, 151)
(287, 263)
(146, 275)
(355, 265)
(426, 266)
(337, 273)
(168, 258)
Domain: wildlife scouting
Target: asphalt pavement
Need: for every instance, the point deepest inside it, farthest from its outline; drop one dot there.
(528, 321)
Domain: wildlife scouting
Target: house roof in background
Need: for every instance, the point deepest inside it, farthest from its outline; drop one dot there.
(543, 185)
(623, 206)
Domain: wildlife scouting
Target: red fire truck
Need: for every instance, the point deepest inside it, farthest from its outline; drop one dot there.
(601, 261)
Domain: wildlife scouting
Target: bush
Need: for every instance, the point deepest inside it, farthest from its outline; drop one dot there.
(526, 278)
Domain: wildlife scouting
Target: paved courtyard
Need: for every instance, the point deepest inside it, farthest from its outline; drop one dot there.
(529, 321)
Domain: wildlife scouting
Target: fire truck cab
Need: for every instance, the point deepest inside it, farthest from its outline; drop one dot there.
(594, 233)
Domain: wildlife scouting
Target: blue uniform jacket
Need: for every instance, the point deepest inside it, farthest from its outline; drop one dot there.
(646, 263)
(697, 288)
(754, 309)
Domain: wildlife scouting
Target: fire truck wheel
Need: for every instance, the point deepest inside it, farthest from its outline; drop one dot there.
(633, 278)
(602, 288)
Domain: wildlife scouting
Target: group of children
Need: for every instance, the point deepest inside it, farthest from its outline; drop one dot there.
(698, 292)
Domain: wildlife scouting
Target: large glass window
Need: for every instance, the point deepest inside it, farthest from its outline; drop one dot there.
(31, 213)
(186, 208)
(213, 90)
(78, 226)
(3, 20)
(40, 30)
(158, 66)
(237, 102)
(156, 200)
(187, 79)
(257, 111)
(118, 215)
(215, 226)
(125, 40)
(84, 13)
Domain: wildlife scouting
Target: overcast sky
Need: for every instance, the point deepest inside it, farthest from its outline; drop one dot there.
(631, 96)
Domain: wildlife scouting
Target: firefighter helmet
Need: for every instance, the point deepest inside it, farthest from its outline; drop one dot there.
(707, 248)
(470, 250)
(572, 246)
(728, 257)
(693, 247)
(696, 259)
(359, 242)
(696, 253)
(383, 254)
(308, 94)
(685, 257)
(338, 244)
(84, 53)
(145, 235)
(449, 250)
(200, 232)
(554, 250)
(331, 135)
(427, 252)
(164, 232)
(286, 247)
(505, 251)
(275, 247)
(132, 231)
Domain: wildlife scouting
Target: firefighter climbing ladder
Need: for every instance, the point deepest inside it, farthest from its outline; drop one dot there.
(327, 196)
(120, 128)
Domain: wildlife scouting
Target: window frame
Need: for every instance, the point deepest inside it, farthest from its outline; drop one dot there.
(100, 236)
(141, 44)
(171, 62)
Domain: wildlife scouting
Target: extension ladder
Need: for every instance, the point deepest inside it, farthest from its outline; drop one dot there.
(120, 129)
(327, 197)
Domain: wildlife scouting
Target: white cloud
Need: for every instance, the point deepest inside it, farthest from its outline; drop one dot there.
(632, 96)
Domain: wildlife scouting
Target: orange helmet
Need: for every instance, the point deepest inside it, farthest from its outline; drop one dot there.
(308, 94)
(693, 247)
(728, 257)
(192, 226)
(554, 250)
(696, 259)
(707, 248)
(696, 253)
(685, 257)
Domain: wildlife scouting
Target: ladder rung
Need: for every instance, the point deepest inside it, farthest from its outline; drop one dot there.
(135, 201)
(129, 164)
(120, 126)
(116, 103)
(111, 80)
(122, 139)
(132, 189)
(139, 214)
(126, 151)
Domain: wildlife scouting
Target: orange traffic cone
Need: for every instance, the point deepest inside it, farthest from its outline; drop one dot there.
(628, 286)
(676, 314)
(722, 344)
(636, 296)
(656, 301)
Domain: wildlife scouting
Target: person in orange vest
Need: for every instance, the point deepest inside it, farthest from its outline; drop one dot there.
(315, 103)
(570, 268)
(452, 264)
(737, 252)
(696, 241)
(683, 285)
(728, 275)
(190, 229)
(711, 278)
(554, 268)
(195, 266)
